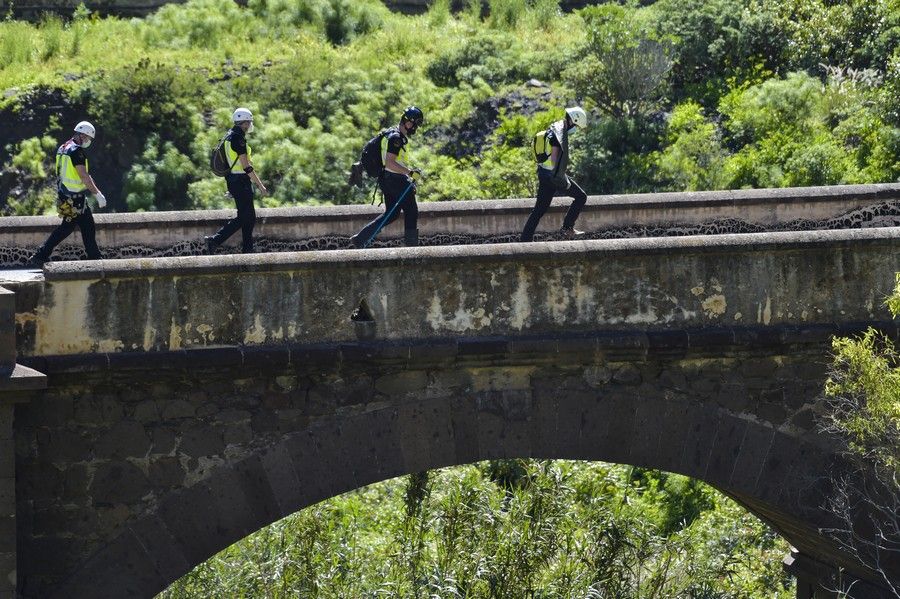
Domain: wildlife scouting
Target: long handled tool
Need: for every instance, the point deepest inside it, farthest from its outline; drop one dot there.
(387, 216)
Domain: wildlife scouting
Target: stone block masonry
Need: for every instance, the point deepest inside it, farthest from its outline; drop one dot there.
(169, 451)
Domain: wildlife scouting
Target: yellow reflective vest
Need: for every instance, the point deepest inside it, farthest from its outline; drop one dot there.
(232, 156)
(66, 172)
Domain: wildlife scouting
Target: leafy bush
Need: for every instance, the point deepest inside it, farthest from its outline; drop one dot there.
(693, 157)
(719, 39)
(624, 65)
(792, 104)
(149, 97)
(35, 157)
(510, 528)
(52, 30)
(506, 14)
(615, 155)
(36, 201)
(159, 179)
(492, 57)
(345, 19)
(199, 23)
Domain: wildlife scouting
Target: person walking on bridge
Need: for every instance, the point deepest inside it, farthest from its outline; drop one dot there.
(238, 181)
(397, 182)
(551, 150)
(73, 182)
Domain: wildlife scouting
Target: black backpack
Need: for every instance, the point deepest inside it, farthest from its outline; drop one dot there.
(370, 160)
(218, 160)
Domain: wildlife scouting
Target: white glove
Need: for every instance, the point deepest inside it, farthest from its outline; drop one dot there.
(101, 199)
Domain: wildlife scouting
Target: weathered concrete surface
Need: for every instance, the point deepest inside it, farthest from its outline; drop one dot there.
(764, 207)
(827, 277)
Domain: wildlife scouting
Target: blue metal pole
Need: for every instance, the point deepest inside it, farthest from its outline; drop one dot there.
(387, 216)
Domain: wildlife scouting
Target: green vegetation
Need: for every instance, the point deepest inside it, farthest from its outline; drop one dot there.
(685, 94)
(508, 529)
(864, 396)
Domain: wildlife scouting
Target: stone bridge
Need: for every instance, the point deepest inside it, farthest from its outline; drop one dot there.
(191, 400)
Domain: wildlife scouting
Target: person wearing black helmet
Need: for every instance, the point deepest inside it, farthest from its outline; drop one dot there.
(396, 180)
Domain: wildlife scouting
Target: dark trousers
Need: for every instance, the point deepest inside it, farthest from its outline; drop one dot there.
(85, 222)
(547, 190)
(241, 190)
(393, 186)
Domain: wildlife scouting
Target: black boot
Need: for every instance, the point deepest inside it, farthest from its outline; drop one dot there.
(37, 260)
(411, 237)
(211, 244)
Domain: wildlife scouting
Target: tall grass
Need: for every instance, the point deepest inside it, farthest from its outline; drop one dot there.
(16, 43)
(51, 30)
(506, 14)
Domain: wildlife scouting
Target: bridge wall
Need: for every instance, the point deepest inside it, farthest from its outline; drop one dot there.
(154, 462)
(824, 278)
(622, 215)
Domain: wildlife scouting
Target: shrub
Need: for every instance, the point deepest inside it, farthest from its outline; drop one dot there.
(494, 58)
(159, 178)
(149, 98)
(36, 201)
(623, 66)
(693, 157)
(35, 157)
(345, 19)
(792, 104)
(198, 23)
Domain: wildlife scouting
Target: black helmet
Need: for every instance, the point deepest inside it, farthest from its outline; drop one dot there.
(413, 114)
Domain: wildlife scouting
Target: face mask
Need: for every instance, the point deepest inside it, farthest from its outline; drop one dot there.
(250, 128)
(572, 128)
(86, 143)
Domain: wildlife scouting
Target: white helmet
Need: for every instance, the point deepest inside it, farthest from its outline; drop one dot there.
(86, 128)
(242, 114)
(578, 116)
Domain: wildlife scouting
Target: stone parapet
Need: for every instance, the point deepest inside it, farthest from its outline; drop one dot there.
(766, 208)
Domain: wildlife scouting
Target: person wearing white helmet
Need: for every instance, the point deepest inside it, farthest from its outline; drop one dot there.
(73, 184)
(239, 180)
(551, 151)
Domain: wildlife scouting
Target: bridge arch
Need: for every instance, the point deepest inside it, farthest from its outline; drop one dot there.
(341, 453)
